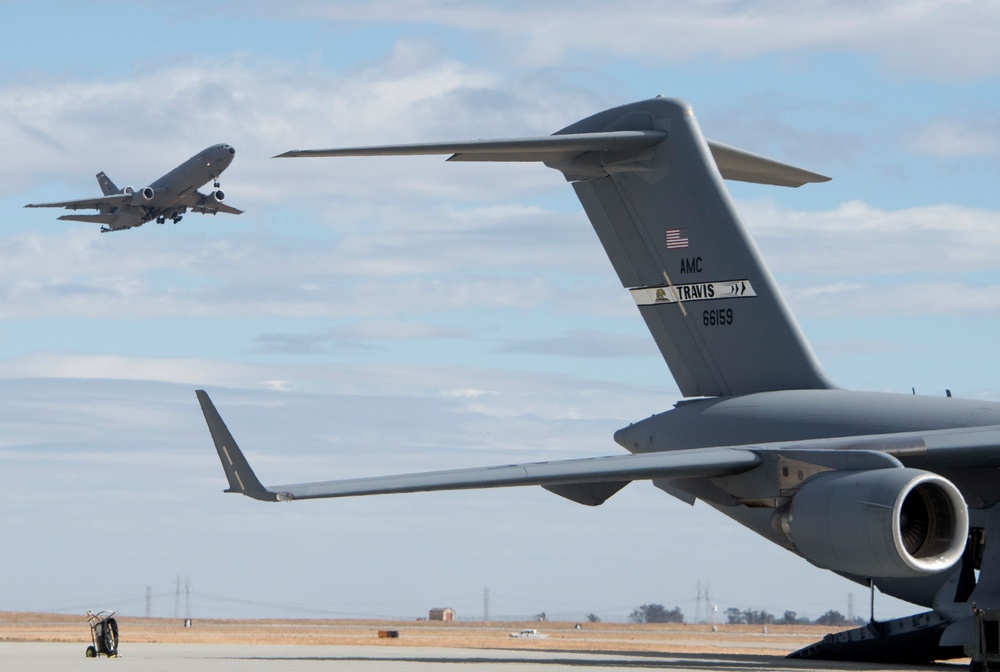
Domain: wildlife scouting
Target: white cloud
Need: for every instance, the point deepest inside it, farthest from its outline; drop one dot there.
(954, 39)
(858, 239)
(952, 138)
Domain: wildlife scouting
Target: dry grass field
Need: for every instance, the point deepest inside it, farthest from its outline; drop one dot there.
(734, 639)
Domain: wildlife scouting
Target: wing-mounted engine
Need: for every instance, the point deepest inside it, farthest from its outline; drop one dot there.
(145, 195)
(217, 196)
(881, 523)
(857, 512)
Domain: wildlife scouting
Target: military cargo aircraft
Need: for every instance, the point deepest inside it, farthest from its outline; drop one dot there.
(897, 492)
(167, 198)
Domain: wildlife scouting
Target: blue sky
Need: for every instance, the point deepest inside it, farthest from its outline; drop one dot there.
(374, 315)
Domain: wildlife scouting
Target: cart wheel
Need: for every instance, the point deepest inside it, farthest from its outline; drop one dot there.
(110, 637)
(91, 652)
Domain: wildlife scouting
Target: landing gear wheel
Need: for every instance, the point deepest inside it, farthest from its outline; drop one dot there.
(91, 652)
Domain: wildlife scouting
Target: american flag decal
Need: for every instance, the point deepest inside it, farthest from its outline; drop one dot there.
(677, 239)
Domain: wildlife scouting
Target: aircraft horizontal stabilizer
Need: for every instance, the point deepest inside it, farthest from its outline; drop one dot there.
(743, 166)
(733, 163)
(93, 219)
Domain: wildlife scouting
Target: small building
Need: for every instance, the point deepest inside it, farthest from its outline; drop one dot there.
(447, 614)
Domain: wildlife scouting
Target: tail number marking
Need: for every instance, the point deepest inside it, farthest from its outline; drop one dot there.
(717, 318)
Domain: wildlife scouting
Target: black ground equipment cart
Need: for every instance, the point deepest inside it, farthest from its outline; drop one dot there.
(103, 634)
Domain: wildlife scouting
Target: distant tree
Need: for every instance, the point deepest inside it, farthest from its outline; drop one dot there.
(541, 617)
(593, 618)
(750, 616)
(735, 616)
(791, 618)
(656, 613)
(832, 617)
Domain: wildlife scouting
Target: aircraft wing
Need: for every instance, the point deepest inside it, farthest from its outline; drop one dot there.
(207, 205)
(599, 477)
(87, 203)
(591, 481)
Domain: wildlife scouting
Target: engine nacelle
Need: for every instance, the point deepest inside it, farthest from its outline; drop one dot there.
(128, 191)
(218, 196)
(881, 523)
(143, 196)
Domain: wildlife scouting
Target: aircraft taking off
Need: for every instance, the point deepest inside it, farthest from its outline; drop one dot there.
(167, 198)
(896, 491)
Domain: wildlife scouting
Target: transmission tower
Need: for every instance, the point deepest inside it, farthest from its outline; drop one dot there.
(187, 598)
(486, 605)
(850, 607)
(699, 616)
(177, 598)
(149, 602)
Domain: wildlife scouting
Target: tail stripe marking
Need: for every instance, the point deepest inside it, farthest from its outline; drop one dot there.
(701, 291)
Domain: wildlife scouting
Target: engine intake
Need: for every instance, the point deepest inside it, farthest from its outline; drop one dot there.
(881, 523)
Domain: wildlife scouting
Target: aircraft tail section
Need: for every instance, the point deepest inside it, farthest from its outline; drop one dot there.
(652, 187)
(108, 187)
(675, 239)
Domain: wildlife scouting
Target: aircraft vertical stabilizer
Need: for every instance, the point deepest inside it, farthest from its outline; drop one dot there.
(677, 243)
(108, 187)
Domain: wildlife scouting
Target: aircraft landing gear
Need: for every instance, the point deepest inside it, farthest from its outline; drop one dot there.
(216, 184)
(161, 220)
(176, 218)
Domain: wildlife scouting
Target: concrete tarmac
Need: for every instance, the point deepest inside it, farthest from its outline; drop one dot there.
(50, 657)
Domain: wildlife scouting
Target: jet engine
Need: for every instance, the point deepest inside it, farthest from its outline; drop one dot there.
(218, 196)
(128, 190)
(143, 196)
(894, 522)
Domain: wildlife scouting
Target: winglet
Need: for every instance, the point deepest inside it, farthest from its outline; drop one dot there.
(238, 471)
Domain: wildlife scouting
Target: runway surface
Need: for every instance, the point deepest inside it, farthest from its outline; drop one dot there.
(48, 657)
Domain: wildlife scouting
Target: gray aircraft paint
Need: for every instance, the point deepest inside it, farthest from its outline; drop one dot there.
(168, 197)
(769, 441)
